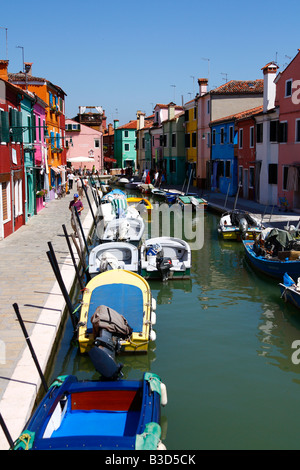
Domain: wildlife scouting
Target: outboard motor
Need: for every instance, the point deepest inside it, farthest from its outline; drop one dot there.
(164, 265)
(243, 226)
(103, 355)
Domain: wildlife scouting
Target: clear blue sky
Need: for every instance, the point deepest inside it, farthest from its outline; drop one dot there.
(127, 55)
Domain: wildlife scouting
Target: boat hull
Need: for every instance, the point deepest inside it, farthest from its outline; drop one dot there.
(89, 415)
(273, 268)
(290, 295)
(128, 294)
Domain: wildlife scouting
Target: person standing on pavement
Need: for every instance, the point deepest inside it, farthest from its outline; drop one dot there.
(79, 206)
(70, 180)
(79, 188)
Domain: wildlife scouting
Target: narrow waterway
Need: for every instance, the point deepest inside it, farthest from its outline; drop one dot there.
(224, 351)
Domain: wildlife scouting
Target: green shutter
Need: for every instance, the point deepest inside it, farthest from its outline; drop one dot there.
(19, 127)
(4, 127)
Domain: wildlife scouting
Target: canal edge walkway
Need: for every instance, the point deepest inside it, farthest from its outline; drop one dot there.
(32, 285)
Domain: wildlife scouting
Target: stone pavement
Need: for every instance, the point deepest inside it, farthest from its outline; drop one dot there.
(27, 278)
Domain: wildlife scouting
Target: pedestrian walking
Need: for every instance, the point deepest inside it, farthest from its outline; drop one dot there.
(79, 188)
(79, 206)
(70, 180)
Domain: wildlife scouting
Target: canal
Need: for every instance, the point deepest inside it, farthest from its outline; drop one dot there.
(224, 351)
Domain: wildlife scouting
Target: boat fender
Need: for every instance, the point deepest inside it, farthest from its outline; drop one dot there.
(163, 396)
(153, 318)
(153, 304)
(152, 335)
(161, 446)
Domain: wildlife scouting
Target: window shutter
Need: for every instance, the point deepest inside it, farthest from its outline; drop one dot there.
(4, 127)
(19, 127)
(4, 201)
(52, 139)
(50, 98)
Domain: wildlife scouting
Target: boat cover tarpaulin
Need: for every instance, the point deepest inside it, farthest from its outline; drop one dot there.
(126, 299)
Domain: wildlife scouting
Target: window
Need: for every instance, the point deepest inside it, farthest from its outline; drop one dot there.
(208, 106)
(214, 137)
(194, 139)
(272, 173)
(186, 115)
(222, 135)
(173, 140)
(285, 177)
(251, 136)
(4, 127)
(240, 176)
(274, 131)
(241, 138)
(5, 193)
(288, 88)
(96, 143)
(282, 132)
(187, 141)
(195, 112)
(18, 198)
(40, 130)
(259, 133)
(231, 134)
(297, 130)
(165, 140)
(126, 133)
(227, 168)
(251, 177)
(126, 147)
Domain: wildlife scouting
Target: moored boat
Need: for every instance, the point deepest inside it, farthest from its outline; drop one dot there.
(124, 229)
(137, 202)
(103, 415)
(270, 262)
(128, 294)
(290, 291)
(165, 258)
(113, 255)
(194, 201)
(238, 225)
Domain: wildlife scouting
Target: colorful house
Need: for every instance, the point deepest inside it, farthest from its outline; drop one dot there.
(288, 101)
(125, 145)
(174, 146)
(190, 109)
(12, 193)
(266, 162)
(84, 147)
(54, 97)
(228, 99)
(143, 141)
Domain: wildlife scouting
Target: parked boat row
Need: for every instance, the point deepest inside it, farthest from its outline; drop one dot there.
(116, 317)
(270, 251)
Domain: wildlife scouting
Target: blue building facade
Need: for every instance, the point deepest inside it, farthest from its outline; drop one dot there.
(224, 162)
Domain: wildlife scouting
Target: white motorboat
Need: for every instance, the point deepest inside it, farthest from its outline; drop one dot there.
(113, 255)
(124, 229)
(165, 258)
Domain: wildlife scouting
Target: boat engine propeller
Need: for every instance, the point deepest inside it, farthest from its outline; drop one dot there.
(164, 265)
(243, 227)
(103, 355)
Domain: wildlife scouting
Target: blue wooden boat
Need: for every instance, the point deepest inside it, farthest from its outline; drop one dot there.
(290, 291)
(103, 415)
(272, 266)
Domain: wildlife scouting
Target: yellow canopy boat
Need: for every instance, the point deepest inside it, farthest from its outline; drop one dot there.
(140, 200)
(128, 294)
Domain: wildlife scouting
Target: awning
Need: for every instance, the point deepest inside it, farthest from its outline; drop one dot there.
(81, 159)
(55, 170)
(109, 160)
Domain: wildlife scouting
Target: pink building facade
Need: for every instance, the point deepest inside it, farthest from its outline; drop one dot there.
(84, 147)
(288, 101)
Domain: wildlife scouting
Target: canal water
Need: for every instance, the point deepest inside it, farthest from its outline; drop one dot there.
(224, 351)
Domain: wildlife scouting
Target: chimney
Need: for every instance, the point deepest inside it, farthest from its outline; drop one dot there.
(171, 111)
(269, 72)
(3, 69)
(28, 68)
(202, 82)
(140, 117)
(116, 123)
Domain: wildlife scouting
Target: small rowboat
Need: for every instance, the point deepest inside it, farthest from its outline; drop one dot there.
(128, 294)
(103, 415)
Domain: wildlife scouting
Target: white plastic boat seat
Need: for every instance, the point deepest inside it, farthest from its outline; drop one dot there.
(173, 253)
(121, 255)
